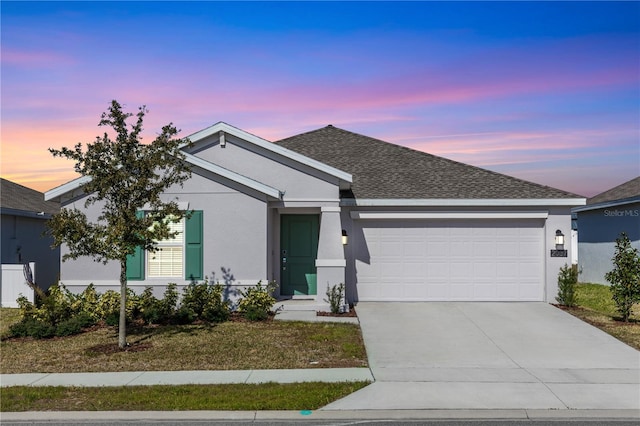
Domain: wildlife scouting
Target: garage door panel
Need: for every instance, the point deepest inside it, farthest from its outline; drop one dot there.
(414, 271)
(414, 249)
(484, 270)
(451, 260)
(485, 291)
(460, 270)
(483, 248)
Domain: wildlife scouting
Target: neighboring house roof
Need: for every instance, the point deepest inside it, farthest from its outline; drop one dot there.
(626, 193)
(383, 170)
(16, 198)
(626, 190)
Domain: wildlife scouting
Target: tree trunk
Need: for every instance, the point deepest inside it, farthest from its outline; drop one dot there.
(122, 326)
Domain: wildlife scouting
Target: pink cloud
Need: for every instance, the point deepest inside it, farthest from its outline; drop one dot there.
(34, 59)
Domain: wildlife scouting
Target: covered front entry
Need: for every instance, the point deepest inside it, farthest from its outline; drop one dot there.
(298, 253)
(450, 260)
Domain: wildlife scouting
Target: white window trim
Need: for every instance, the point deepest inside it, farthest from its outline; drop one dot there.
(168, 244)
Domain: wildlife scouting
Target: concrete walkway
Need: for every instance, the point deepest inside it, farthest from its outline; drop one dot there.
(141, 378)
(491, 356)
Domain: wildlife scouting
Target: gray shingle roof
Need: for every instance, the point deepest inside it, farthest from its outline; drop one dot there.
(626, 190)
(382, 170)
(18, 197)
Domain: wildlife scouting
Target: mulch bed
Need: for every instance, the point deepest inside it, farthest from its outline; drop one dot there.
(351, 313)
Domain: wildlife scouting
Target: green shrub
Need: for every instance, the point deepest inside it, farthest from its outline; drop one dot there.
(27, 309)
(183, 315)
(87, 302)
(168, 305)
(205, 301)
(74, 325)
(31, 327)
(52, 307)
(567, 280)
(148, 306)
(216, 309)
(108, 306)
(195, 297)
(335, 296)
(256, 302)
(625, 277)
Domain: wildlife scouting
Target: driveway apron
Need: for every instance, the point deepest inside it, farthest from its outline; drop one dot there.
(485, 355)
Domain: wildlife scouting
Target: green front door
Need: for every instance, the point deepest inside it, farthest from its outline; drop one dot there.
(298, 252)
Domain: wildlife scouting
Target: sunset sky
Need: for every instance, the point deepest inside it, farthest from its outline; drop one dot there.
(546, 91)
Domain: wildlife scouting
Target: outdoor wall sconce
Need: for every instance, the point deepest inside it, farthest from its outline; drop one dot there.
(223, 141)
(345, 237)
(559, 250)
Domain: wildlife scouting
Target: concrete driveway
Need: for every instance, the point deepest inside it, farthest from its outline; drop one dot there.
(467, 355)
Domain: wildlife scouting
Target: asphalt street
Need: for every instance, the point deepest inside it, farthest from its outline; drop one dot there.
(382, 422)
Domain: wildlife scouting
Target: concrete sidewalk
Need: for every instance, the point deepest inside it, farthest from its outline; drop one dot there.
(142, 378)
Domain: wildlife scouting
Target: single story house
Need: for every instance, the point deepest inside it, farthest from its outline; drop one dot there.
(24, 213)
(331, 206)
(600, 223)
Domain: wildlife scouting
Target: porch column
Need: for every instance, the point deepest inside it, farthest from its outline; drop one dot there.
(330, 263)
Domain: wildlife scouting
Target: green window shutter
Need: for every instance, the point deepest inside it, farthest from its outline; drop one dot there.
(193, 247)
(135, 261)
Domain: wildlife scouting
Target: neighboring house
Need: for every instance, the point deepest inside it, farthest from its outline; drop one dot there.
(24, 214)
(419, 227)
(600, 222)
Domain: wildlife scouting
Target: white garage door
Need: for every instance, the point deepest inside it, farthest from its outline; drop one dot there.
(474, 260)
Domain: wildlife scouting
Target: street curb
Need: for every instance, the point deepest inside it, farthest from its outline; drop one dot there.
(520, 414)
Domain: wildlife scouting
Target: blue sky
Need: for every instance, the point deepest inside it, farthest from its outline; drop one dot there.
(544, 91)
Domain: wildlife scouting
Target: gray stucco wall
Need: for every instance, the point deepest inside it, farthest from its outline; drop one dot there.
(235, 228)
(23, 242)
(597, 233)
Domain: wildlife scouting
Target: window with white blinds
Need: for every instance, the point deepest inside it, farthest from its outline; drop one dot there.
(168, 260)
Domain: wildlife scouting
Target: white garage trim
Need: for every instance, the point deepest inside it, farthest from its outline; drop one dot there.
(449, 215)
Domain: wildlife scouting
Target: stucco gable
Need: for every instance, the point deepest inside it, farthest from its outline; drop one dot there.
(221, 130)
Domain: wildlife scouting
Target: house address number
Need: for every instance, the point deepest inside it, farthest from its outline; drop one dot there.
(559, 253)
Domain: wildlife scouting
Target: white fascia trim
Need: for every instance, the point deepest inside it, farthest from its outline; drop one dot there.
(340, 263)
(65, 188)
(226, 173)
(270, 146)
(606, 204)
(449, 202)
(330, 209)
(449, 215)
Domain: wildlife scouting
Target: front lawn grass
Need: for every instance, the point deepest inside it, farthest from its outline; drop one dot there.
(268, 396)
(226, 346)
(596, 307)
(8, 317)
